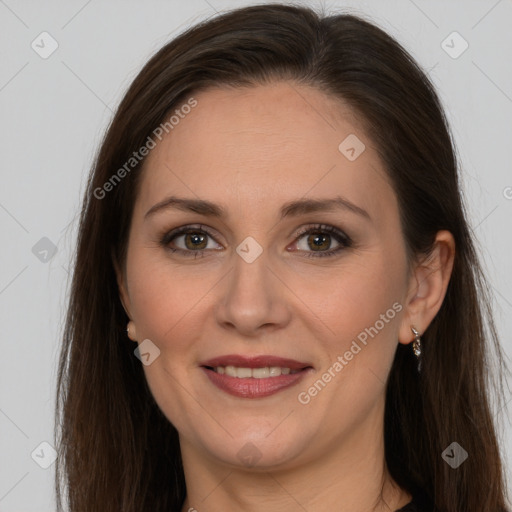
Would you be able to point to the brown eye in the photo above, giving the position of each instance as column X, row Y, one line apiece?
column 195, row 241
column 189, row 241
column 317, row 241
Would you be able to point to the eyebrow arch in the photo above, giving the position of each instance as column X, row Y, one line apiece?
column 290, row 209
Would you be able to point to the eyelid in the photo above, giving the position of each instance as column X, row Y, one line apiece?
column 325, row 228
column 183, row 230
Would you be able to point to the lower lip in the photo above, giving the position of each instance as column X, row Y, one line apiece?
column 254, row 388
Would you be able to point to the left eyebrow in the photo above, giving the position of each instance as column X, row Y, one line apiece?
column 303, row 206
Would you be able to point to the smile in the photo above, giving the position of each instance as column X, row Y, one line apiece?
column 254, row 377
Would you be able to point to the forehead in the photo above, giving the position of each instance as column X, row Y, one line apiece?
column 265, row 145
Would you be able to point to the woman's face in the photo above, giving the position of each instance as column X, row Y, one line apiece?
column 249, row 281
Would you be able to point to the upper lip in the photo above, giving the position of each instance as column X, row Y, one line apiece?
column 255, row 362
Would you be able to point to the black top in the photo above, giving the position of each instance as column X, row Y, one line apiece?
column 417, row 504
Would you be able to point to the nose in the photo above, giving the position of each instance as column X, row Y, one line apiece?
column 253, row 298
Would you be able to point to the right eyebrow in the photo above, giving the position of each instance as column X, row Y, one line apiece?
column 189, row 205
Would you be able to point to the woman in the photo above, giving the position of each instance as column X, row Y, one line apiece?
column 274, row 217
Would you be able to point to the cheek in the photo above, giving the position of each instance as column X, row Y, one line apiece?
column 165, row 300
column 167, row 303
column 359, row 305
column 361, row 313
column 353, row 296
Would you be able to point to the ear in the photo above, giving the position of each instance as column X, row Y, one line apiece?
column 427, row 287
column 121, row 283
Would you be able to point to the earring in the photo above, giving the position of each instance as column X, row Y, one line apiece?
column 416, row 346
column 130, row 330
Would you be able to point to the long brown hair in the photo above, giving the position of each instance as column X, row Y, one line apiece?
column 116, row 450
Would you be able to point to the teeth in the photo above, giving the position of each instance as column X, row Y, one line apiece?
column 256, row 373
column 260, row 373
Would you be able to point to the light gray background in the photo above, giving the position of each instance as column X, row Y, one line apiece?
column 54, row 112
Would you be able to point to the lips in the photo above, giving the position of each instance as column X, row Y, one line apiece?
column 235, row 374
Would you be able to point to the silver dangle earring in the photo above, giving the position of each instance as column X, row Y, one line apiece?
column 416, row 346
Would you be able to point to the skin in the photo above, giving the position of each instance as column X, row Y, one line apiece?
column 252, row 150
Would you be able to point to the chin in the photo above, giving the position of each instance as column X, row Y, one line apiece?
column 256, row 450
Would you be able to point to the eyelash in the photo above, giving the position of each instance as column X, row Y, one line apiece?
column 344, row 240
